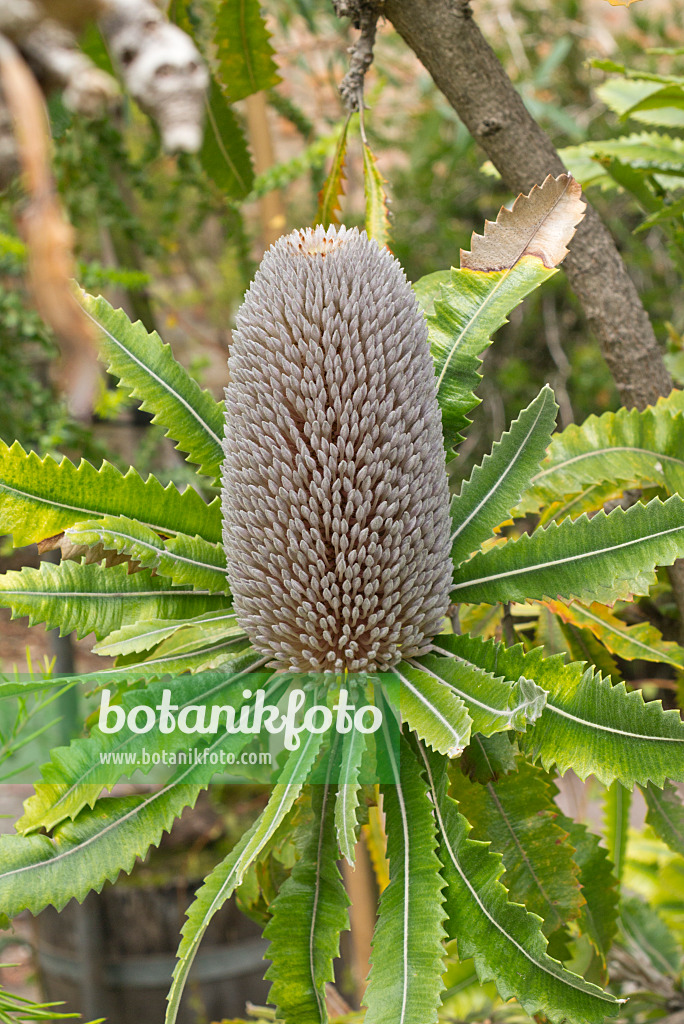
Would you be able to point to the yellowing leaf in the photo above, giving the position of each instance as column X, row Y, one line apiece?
column 641, row 641
column 539, row 224
column 377, row 221
column 376, row 841
column 333, row 189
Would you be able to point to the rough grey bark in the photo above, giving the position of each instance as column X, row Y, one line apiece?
column 448, row 42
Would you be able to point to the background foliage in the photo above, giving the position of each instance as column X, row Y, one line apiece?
column 176, row 240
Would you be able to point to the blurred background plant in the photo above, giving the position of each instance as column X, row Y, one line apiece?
column 175, row 240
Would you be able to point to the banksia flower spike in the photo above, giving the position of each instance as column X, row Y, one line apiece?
column 335, row 496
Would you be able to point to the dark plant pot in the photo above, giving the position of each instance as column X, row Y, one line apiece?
column 114, row 956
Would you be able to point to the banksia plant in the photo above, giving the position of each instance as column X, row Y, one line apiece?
column 335, row 495
column 344, row 554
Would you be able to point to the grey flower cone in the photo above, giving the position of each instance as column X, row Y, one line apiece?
column 335, row 496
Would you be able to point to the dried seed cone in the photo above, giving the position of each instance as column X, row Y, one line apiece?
column 335, row 497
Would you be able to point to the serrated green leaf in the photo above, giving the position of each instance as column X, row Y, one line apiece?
column 224, row 154
column 429, row 287
column 605, row 558
column 80, row 598
column 147, row 370
column 668, row 100
column 487, row 757
column 647, row 933
column 221, row 882
column 516, row 814
column 333, row 187
column 185, row 560
column 245, row 62
column 377, row 220
column 497, row 484
column 141, row 636
column 37, row 871
column 642, row 641
column 636, row 73
column 469, row 310
column 494, row 703
column 347, row 799
column 505, row 942
column 432, row 710
column 646, row 151
column 587, row 724
column 616, row 805
column 23, row 688
column 309, row 913
column 635, row 449
column 41, row 498
column 405, row 979
column 74, row 777
column 598, row 914
column 665, row 815
column 621, row 94
column 199, row 633
column 130, row 670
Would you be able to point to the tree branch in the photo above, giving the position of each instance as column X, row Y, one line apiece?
column 445, row 37
column 364, row 15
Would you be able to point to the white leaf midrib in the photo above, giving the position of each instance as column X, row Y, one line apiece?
column 474, row 894
column 164, row 384
column 501, row 480
column 566, row 559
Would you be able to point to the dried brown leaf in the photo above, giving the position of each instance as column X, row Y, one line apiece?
column 539, row 224
column 89, row 554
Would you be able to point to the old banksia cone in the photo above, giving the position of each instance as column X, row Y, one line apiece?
column 335, row 497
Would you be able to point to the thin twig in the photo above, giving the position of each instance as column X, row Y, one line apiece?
column 364, row 15
column 508, row 626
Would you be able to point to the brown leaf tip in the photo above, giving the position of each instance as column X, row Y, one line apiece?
column 539, row 224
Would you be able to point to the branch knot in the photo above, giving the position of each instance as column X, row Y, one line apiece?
column 364, row 15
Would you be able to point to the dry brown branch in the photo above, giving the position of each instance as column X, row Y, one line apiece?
column 364, row 15
column 49, row 238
